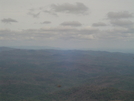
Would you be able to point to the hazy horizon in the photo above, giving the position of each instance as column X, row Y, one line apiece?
column 82, row 49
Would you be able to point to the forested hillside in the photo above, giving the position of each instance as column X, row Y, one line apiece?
column 65, row 75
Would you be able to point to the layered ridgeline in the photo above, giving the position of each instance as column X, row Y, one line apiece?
column 65, row 75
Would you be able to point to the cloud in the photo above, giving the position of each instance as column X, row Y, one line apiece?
column 60, row 29
column 122, row 23
column 119, row 15
column 120, row 19
column 50, row 33
column 72, row 23
column 6, row 34
column 98, row 24
column 32, row 9
column 8, row 20
column 55, row 9
column 46, row 22
column 119, row 30
column 64, row 33
column 35, row 15
column 50, row 12
column 68, row 33
column 89, row 31
column 78, row 8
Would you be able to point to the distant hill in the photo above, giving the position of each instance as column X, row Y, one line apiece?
column 35, row 47
column 5, row 49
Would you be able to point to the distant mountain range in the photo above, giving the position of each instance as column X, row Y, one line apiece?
column 84, row 49
column 32, row 47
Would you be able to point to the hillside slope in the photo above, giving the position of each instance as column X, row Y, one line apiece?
column 25, row 74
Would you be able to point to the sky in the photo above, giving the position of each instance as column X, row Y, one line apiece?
column 68, row 24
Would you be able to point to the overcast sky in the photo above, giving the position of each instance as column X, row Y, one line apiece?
column 68, row 24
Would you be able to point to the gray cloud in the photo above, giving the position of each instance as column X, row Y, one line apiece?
column 119, row 30
column 122, row 23
column 119, row 15
column 88, row 31
column 98, row 24
column 78, row 8
column 118, row 34
column 63, row 33
column 68, row 33
column 55, row 9
column 50, row 33
column 6, row 34
column 59, row 29
column 46, row 22
column 32, row 10
column 72, row 23
column 8, row 20
column 34, row 15
column 50, row 12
